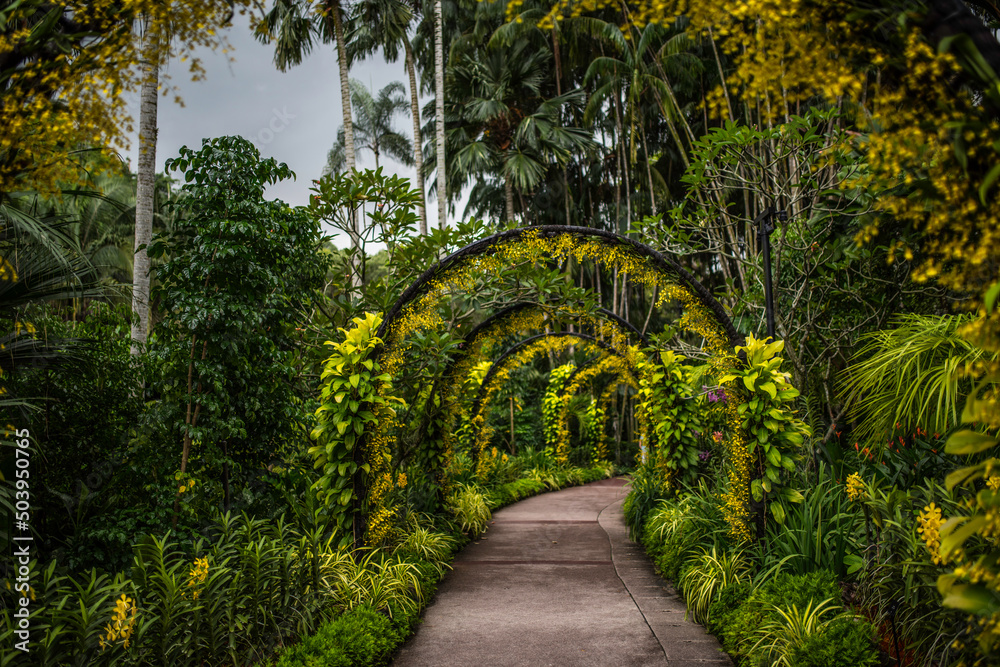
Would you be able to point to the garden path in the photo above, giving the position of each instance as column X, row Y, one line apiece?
column 556, row 581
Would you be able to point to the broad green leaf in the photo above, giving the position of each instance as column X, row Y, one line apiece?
column 969, row 442
column 778, row 512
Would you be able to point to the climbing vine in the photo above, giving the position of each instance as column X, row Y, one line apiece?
column 669, row 417
column 774, row 435
column 501, row 257
column 355, row 401
column 556, row 435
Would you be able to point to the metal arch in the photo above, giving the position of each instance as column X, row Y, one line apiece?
column 661, row 262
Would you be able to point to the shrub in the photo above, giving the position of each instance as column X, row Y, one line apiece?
column 646, row 488
column 738, row 625
column 361, row 636
column 468, row 505
column 713, row 572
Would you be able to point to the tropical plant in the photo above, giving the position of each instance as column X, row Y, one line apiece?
column 240, row 272
column 373, row 120
column 909, row 377
column 780, row 639
column 775, row 435
column 703, row 582
column 292, row 26
column 468, row 505
column 384, row 25
column 502, row 135
column 669, row 416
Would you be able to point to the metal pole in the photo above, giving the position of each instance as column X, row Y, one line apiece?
column 764, row 229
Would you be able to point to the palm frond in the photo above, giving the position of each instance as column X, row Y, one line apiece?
column 910, row 375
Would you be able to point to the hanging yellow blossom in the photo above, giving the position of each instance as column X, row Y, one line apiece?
column 930, row 521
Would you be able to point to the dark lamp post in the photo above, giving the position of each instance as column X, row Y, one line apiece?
column 765, row 226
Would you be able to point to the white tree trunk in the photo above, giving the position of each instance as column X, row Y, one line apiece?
column 345, row 86
column 418, row 151
column 145, row 186
column 345, row 103
column 442, row 183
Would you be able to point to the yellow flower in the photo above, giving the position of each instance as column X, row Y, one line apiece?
column 993, row 482
column 930, row 521
column 122, row 623
column 855, row 486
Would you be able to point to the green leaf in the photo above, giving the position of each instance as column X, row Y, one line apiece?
column 988, row 181
column 969, row 442
column 355, row 379
column 778, row 512
column 769, row 389
column 773, row 456
column 962, row 476
column 955, row 538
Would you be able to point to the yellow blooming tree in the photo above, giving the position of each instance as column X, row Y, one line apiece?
column 65, row 68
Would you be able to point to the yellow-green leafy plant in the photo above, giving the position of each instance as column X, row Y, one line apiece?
column 552, row 406
column 377, row 581
column 469, row 507
column 778, row 639
column 702, row 583
column 669, row 415
column 593, row 431
column 774, row 435
column 354, row 400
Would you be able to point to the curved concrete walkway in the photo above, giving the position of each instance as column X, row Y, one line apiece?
column 556, row 581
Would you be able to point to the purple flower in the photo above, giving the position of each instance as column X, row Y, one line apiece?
column 717, row 396
column 705, row 455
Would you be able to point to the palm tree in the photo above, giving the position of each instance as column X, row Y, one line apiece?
column 293, row 25
column 385, row 24
column 503, row 128
column 373, row 126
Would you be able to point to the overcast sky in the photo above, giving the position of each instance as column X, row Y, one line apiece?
column 292, row 116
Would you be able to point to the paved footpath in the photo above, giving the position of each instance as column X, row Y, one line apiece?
column 556, row 581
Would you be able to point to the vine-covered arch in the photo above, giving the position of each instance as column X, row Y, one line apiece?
column 499, row 256
column 517, row 355
column 578, row 242
column 600, row 324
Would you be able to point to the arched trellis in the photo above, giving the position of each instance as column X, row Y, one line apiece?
column 476, row 414
column 659, row 263
column 609, row 365
column 701, row 313
column 486, row 329
column 610, row 381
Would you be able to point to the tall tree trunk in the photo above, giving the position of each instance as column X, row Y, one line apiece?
column 144, row 192
column 418, row 151
column 442, row 183
column 508, row 188
column 345, row 85
column 345, row 103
